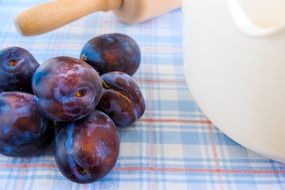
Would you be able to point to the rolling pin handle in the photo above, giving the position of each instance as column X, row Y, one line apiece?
column 52, row 15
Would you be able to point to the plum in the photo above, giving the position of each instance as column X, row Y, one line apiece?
column 87, row 149
column 23, row 131
column 112, row 52
column 122, row 99
column 17, row 66
column 66, row 88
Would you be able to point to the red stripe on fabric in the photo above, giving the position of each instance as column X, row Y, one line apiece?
column 161, row 81
column 154, row 169
column 76, row 46
column 28, row 165
column 162, row 50
column 215, row 154
column 169, row 120
column 200, row 170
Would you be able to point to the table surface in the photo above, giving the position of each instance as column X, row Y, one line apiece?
column 173, row 146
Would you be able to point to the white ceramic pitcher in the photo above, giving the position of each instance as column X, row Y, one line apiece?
column 234, row 54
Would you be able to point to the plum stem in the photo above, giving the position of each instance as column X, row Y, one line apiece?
column 12, row 63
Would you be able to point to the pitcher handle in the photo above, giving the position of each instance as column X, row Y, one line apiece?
column 245, row 24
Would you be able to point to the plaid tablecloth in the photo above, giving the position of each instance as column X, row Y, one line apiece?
column 172, row 147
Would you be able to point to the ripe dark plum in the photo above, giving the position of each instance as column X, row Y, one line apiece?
column 87, row 149
column 112, row 52
column 17, row 66
column 23, row 131
column 122, row 99
column 66, row 88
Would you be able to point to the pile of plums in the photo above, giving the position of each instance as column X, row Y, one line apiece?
column 78, row 103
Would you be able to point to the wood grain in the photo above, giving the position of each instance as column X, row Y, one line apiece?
column 49, row 16
column 52, row 15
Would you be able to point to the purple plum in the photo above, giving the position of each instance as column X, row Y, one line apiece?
column 17, row 66
column 66, row 88
column 112, row 52
column 122, row 99
column 86, row 150
column 23, row 131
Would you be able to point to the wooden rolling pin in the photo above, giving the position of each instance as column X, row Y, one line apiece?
column 49, row 16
